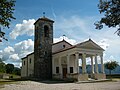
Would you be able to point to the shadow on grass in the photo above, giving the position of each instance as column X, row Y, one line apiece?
column 51, row 81
column 54, row 81
column 10, row 81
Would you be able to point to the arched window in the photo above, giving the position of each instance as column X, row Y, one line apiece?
column 46, row 31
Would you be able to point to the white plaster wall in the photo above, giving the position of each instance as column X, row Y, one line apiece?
column 72, row 63
column 24, row 68
column 31, row 65
column 64, row 60
column 56, row 64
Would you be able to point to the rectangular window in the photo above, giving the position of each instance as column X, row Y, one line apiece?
column 57, row 69
column 24, row 62
column 71, row 69
column 30, row 61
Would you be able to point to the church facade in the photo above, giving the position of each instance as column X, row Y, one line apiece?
column 60, row 60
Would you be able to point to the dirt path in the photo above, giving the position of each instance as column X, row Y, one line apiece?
column 31, row 85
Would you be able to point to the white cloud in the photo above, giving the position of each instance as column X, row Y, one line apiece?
column 114, row 46
column 6, row 52
column 18, row 51
column 9, row 49
column 24, row 47
column 25, row 28
column 0, row 51
column 14, row 57
column 103, row 43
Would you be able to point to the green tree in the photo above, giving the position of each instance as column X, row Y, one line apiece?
column 17, row 71
column 111, row 65
column 2, row 66
column 6, row 14
column 9, row 68
column 111, row 11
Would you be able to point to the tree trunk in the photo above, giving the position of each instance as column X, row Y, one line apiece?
column 110, row 73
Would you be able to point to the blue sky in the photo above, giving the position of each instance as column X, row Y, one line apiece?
column 74, row 18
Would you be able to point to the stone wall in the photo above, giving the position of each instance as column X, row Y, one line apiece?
column 99, row 76
column 43, row 49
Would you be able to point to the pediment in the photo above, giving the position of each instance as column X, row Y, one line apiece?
column 89, row 45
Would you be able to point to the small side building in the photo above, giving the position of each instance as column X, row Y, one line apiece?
column 28, row 66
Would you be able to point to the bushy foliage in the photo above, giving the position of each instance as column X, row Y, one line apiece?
column 6, row 12
column 2, row 66
column 111, row 11
column 9, row 68
column 6, row 15
column 111, row 65
column 17, row 71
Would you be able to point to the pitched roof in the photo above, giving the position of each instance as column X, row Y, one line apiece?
column 90, row 40
column 61, row 42
column 80, row 44
column 44, row 19
column 27, row 55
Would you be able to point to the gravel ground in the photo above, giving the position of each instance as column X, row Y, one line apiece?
column 31, row 85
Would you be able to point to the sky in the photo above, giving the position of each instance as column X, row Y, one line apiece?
column 73, row 18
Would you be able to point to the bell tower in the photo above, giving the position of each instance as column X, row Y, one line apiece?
column 43, row 41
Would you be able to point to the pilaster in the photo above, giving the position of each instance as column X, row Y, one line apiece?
column 60, row 67
column 68, row 67
column 53, row 67
column 77, row 60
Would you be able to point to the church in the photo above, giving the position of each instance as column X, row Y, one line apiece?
column 60, row 60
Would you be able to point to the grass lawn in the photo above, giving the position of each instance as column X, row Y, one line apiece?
column 8, row 81
column 4, row 81
column 12, row 80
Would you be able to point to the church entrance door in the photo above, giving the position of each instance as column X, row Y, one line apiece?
column 64, row 72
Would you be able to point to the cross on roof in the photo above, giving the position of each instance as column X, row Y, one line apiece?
column 43, row 14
